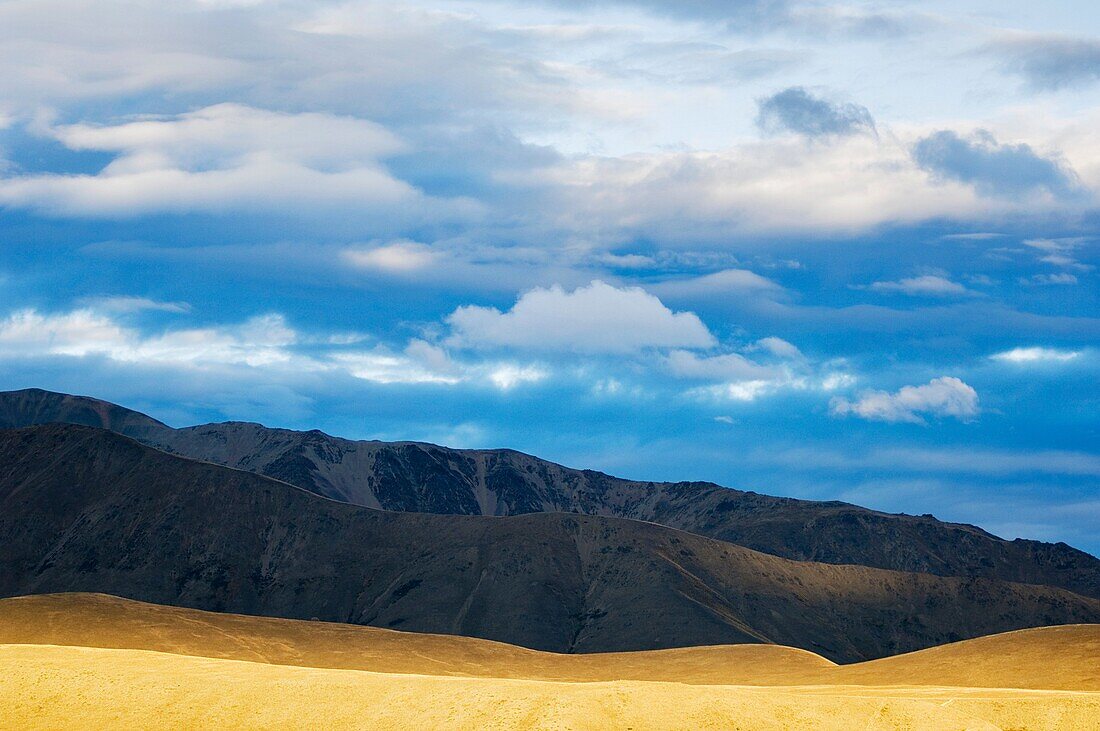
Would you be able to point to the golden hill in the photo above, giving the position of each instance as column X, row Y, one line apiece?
column 89, row 660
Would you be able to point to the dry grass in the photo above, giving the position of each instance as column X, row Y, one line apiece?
column 90, row 661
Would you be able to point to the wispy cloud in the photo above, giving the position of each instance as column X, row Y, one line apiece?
column 1049, row 61
column 1036, row 355
column 1044, row 280
column 927, row 285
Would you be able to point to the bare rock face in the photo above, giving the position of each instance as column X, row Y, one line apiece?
column 424, row 478
column 84, row 509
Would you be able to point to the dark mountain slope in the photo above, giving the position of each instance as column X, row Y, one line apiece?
column 84, row 509
column 416, row 477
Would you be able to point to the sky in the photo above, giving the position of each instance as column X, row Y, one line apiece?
column 822, row 250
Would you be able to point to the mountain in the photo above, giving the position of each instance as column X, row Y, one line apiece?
column 417, row 477
column 85, row 509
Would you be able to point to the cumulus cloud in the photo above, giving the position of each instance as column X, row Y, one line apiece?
column 1035, row 355
column 1048, row 61
column 797, row 110
column 598, row 318
column 928, row 285
column 221, row 158
column 993, row 168
column 940, row 397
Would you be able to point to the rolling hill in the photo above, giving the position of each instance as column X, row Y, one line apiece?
column 104, row 662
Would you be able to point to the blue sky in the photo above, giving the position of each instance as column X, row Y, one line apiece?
column 832, row 251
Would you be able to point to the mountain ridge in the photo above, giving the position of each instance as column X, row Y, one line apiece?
column 423, row 477
column 85, row 509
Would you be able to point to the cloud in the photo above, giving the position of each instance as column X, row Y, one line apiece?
column 597, row 318
column 928, row 285
column 508, row 376
column 1035, row 354
column 743, row 390
column 127, row 304
column 1049, row 61
column 940, row 397
column 1045, row 280
column 679, row 62
column 727, row 281
column 421, row 362
column 1059, row 252
column 399, row 257
column 992, row 168
column 260, row 341
column 796, row 110
column 727, row 367
column 777, row 347
column 220, row 158
column 850, row 183
column 264, row 345
column 743, row 13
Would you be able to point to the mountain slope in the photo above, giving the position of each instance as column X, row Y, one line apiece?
column 416, row 477
column 84, row 509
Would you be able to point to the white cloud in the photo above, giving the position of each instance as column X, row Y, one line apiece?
column 508, row 375
column 940, row 397
column 384, row 366
column 928, row 285
column 262, row 342
column 740, row 390
column 126, row 303
column 726, row 281
column 259, row 341
column 777, row 347
column 779, row 185
column 728, row 367
column 836, row 381
column 399, row 256
column 1035, row 354
column 1059, row 252
column 1044, row 280
column 597, row 318
column 221, row 158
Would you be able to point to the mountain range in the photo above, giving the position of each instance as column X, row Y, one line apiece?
column 425, row 478
column 84, row 508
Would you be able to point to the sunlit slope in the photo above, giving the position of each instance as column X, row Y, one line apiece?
column 1052, row 658
column 98, row 620
column 74, row 687
column 1065, row 657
